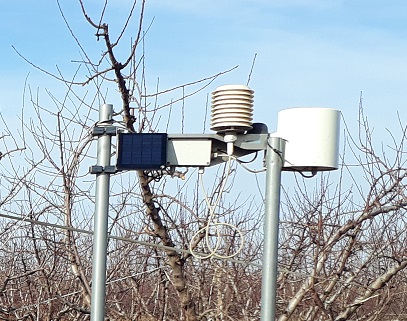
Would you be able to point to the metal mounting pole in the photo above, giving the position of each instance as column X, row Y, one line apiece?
column 101, row 219
column 274, row 164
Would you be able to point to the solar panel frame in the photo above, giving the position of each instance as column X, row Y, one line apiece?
column 146, row 151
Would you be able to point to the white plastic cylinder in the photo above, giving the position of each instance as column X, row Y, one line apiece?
column 312, row 138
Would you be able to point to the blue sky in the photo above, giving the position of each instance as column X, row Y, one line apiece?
column 309, row 53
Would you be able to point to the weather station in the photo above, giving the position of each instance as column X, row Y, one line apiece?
column 306, row 141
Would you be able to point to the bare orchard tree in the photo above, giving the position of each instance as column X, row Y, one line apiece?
column 343, row 249
column 342, row 253
column 47, row 206
column 46, row 238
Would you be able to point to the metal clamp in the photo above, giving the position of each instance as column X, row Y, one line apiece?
column 97, row 169
column 104, row 130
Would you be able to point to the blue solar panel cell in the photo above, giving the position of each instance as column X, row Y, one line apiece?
column 141, row 151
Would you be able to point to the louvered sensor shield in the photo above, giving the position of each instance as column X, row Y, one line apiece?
column 232, row 109
column 232, row 112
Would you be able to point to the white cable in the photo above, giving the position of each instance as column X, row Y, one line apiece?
column 19, row 223
column 118, row 238
column 254, row 171
column 212, row 223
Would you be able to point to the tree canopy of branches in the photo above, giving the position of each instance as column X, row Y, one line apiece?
column 342, row 244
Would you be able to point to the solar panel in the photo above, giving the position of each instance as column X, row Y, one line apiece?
column 141, row 151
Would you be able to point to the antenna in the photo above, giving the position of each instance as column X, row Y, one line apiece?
column 232, row 112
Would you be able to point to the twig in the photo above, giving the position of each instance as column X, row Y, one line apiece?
column 191, row 83
column 43, row 70
column 251, row 69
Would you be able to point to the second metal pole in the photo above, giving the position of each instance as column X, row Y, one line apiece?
column 274, row 164
column 98, row 297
